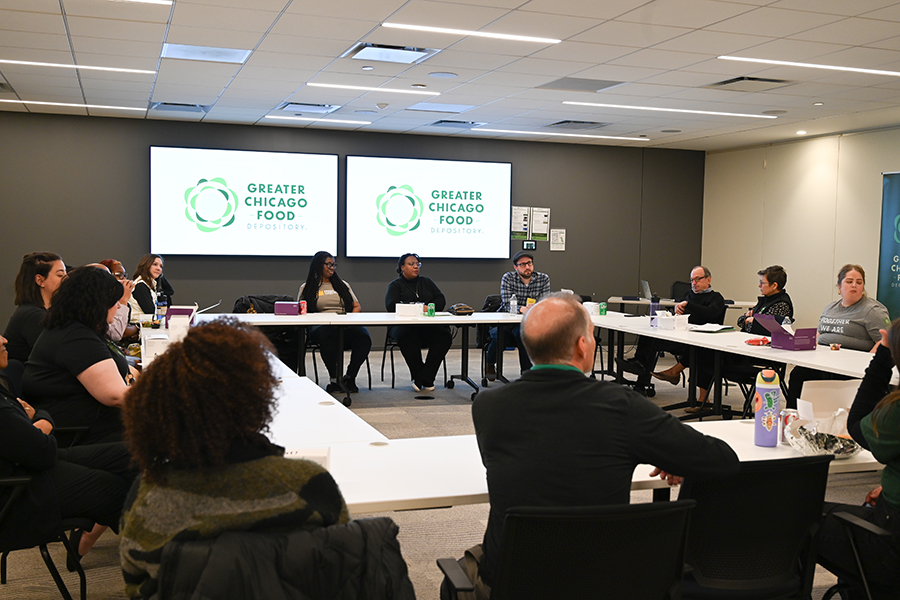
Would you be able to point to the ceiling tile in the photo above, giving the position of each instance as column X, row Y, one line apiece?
column 185, row 94
column 372, row 10
column 553, row 69
column 125, row 11
column 607, row 9
column 32, row 21
column 215, row 38
column 445, row 14
column 91, row 45
column 851, row 31
column 541, row 25
column 323, row 27
column 834, row 7
column 582, row 52
column 712, row 42
column 193, row 72
column 634, row 35
column 295, row 44
column 37, row 41
column 684, row 13
column 219, row 17
column 659, row 59
column 267, row 5
column 116, row 30
column 773, row 22
column 468, row 60
column 42, row 6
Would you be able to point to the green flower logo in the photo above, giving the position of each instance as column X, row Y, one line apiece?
column 399, row 210
column 210, row 204
column 897, row 228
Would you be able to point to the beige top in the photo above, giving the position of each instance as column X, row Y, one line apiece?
column 328, row 300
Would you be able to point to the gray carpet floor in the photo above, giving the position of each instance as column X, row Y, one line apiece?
column 425, row 535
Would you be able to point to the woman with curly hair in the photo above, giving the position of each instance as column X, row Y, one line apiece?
column 194, row 425
column 39, row 277
column 74, row 373
column 874, row 422
column 325, row 291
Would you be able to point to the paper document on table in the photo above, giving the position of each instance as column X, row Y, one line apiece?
column 711, row 328
column 321, row 456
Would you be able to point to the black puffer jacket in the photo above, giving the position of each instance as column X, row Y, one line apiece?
column 360, row 561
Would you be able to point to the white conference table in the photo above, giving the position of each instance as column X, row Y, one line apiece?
column 851, row 363
column 668, row 302
column 437, row 472
column 384, row 319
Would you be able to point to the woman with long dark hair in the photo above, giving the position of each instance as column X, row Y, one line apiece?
column 74, row 372
column 325, row 291
column 149, row 286
column 874, row 422
column 38, row 279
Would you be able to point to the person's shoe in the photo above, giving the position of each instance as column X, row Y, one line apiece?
column 632, row 365
column 333, row 387
column 673, row 379
column 428, row 388
column 490, row 371
column 701, row 403
column 350, row 384
column 416, row 386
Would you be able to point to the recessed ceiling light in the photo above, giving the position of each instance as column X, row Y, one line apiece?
column 675, row 110
column 554, row 134
column 785, row 63
column 818, row 104
column 371, row 89
column 419, row 85
column 319, row 120
column 801, row 132
column 496, row 36
column 404, row 55
column 205, row 53
column 443, row 75
column 81, row 67
column 368, row 68
column 73, row 105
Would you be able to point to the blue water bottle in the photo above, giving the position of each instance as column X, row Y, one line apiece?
column 767, row 407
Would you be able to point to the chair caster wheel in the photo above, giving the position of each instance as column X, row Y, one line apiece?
column 450, row 383
column 484, row 382
column 347, row 401
column 473, row 396
column 650, row 392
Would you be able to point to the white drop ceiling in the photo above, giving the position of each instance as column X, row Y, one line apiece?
column 663, row 51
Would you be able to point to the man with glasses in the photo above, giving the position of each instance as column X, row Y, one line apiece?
column 703, row 305
column 528, row 286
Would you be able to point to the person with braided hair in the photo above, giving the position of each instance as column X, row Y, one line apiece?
column 194, row 423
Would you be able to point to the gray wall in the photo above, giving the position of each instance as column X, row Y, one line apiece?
column 79, row 186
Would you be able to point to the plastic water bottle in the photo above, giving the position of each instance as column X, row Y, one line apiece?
column 514, row 305
column 162, row 307
column 768, row 408
column 654, row 305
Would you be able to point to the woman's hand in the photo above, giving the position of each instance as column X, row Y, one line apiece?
column 29, row 410
column 884, row 337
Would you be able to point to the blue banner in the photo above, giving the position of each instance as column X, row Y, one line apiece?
column 889, row 254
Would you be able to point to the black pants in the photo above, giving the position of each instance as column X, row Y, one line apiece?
column 880, row 557
column 800, row 375
column 412, row 338
column 356, row 339
column 510, row 332
column 92, row 482
column 648, row 350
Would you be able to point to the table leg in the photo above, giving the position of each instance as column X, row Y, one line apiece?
column 340, row 366
column 464, row 361
column 501, row 346
column 301, row 351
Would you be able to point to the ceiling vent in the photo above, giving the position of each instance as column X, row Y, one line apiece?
column 178, row 107
column 577, row 84
column 457, row 124
column 406, row 55
column 749, row 84
column 576, row 125
column 299, row 108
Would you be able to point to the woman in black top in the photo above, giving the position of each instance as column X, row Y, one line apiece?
column 773, row 301
column 39, row 277
column 410, row 288
column 74, row 372
column 325, row 291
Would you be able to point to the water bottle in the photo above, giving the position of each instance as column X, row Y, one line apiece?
column 654, row 305
column 514, row 305
column 768, row 408
column 161, row 307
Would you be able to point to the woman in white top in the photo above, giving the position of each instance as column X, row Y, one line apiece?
column 149, row 285
column 325, row 291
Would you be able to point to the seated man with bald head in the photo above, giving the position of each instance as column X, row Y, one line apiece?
column 556, row 437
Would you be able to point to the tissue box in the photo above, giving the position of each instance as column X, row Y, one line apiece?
column 287, row 308
column 802, row 339
column 409, row 310
column 673, row 322
column 593, row 308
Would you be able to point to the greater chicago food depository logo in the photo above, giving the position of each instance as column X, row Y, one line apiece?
column 399, row 210
column 211, row 204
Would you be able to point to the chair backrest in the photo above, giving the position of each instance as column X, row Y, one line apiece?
column 680, row 290
column 620, row 551
column 261, row 303
column 491, row 303
column 756, row 529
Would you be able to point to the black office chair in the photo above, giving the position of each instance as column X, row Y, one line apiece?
column 753, row 535
column 492, row 303
column 312, row 347
column 620, row 551
column 389, row 345
column 855, row 528
column 18, row 485
column 285, row 338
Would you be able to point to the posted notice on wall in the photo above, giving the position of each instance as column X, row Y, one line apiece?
column 557, row 240
column 540, row 224
column 520, row 217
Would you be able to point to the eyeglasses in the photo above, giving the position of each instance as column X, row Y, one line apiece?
column 527, row 263
column 697, row 279
column 121, row 275
column 331, row 265
column 417, row 264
